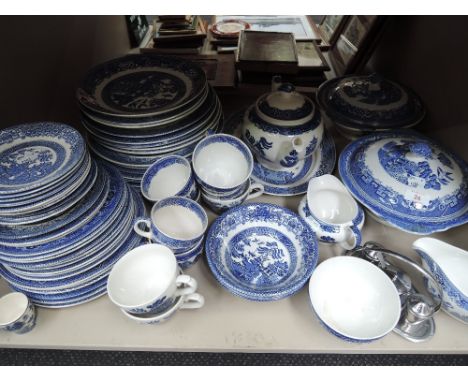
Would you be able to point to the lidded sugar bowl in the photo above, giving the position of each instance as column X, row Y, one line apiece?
column 283, row 127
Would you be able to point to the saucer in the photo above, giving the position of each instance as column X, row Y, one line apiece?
column 293, row 181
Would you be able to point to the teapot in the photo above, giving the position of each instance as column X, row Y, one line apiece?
column 283, row 127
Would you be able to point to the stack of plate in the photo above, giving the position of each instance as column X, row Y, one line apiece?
column 64, row 218
column 139, row 108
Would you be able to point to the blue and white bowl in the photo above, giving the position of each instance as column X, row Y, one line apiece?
column 177, row 222
column 261, row 251
column 169, row 176
column 353, row 299
column 17, row 313
column 222, row 163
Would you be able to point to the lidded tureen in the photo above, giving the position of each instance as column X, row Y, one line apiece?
column 283, row 127
column 366, row 103
column 407, row 180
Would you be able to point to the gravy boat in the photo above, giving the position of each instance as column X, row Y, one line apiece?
column 449, row 266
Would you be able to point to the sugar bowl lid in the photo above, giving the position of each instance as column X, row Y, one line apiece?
column 407, row 180
column 284, row 105
column 372, row 101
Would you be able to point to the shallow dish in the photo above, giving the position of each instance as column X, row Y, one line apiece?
column 353, row 299
column 261, row 251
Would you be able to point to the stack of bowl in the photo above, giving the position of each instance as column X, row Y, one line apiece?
column 65, row 219
column 139, row 108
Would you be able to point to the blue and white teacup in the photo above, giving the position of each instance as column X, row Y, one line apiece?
column 222, row 164
column 169, row 176
column 192, row 301
column 148, row 280
column 176, row 222
column 188, row 258
column 17, row 313
column 220, row 204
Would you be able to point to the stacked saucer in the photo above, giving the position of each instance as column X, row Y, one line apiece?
column 139, row 108
column 65, row 219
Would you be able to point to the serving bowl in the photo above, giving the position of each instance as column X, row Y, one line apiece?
column 353, row 299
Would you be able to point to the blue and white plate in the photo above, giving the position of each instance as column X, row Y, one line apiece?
column 369, row 103
column 114, row 203
column 156, row 132
column 49, row 212
column 261, row 251
column 141, row 85
column 407, row 181
column 294, row 181
column 162, row 123
column 36, row 154
column 64, row 223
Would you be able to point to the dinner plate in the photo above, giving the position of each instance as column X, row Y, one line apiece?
column 49, row 212
column 140, row 85
column 68, row 221
column 261, row 251
column 36, row 154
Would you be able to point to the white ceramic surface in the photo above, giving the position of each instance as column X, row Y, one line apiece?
column 354, row 298
column 220, row 164
column 147, row 276
column 12, row 307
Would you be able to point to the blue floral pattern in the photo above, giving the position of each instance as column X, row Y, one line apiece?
column 261, row 145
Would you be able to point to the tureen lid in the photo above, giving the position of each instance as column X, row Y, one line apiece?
column 371, row 100
column 285, row 105
column 407, row 180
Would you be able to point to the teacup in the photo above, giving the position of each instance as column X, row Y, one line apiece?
column 188, row 258
column 169, row 176
column 147, row 280
column 221, row 203
column 176, row 222
column 222, row 163
column 331, row 212
column 192, row 301
column 17, row 313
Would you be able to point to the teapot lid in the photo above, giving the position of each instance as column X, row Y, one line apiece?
column 371, row 100
column 407, row 180
column 285, row 104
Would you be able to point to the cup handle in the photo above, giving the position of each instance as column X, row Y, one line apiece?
column 144, row 233
column 193, row 301
column 185, row 285
column 353, row 238
column 255, row 190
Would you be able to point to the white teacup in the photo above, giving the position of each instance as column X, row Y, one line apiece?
column 176, row 222
column 222, row 163
column 332, row 212
column 169, row 176
column 148, row 280
column 192, row 301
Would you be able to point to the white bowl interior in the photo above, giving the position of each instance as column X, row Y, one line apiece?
column 178, row 222
column 221, row 165
column 331, row 206
column 354, row 298
column 142, row 275
column 12, row 307
column 168, row 181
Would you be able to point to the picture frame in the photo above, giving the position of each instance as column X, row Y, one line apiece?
column 355, row 43
column 330, row 28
